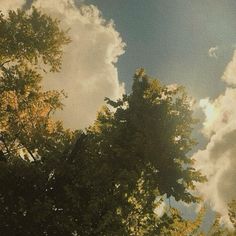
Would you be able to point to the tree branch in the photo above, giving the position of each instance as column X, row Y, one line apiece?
column 2, row 65
column 5, row 144
column 78, row 146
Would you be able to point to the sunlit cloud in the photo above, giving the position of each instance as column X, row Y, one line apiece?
column 160, row 210
column 229, row 75
column 218, row 160
column 210, row 112
column 161, row 207
column 89, row 72
column 7, row 5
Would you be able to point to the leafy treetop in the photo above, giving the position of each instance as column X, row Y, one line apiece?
column 29, row 41
column 30, row 37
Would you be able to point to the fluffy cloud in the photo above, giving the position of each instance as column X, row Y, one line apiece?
column 160, row 210
column 89, row 73
column 230, row 72
column 213, row 51
column 218, row 160
column 11, row 4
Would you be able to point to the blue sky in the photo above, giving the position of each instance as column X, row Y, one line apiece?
column 171, row 39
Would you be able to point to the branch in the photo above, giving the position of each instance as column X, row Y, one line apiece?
column 6, row 71
column 78, row 146
column 2, row 65
column 31, row 154
column 5, row 144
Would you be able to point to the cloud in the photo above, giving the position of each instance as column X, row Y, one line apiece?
column 161, row 206
column 213, row 52
column 229, row 75
column 7, row 5
column 218, row 160
column 160, row 210
column 88, row 73
column 211, row 113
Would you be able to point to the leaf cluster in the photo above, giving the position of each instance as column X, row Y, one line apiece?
column 29, row 38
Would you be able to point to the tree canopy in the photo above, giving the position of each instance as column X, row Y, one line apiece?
column 139, row 147
column 28, row 42
column 106, row 180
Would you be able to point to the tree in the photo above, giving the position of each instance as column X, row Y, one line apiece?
column 179, row 226
column 150, row 133
column 232, row 212
column 29, row 43
column 219, row 229
column 138, row 150
column 31, row 142
column 109, row 181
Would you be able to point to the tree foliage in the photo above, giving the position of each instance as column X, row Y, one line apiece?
column 220, row 229
column 179, row 226
column 31, row 142
column 108, row 183
column 150, row 133
column 139, row 149
column 232, row 213
column 27, row 42
column 30, row 37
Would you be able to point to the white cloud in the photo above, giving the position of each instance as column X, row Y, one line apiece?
column 6, row 5
column 213, row 52
column 229, row 75
column 218, row 160
column 161, row 207
column 89, row 73
column 211, row 113
column 172, row 87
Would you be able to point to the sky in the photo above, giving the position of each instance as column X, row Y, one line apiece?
column 171, row 40
column 186, row 42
